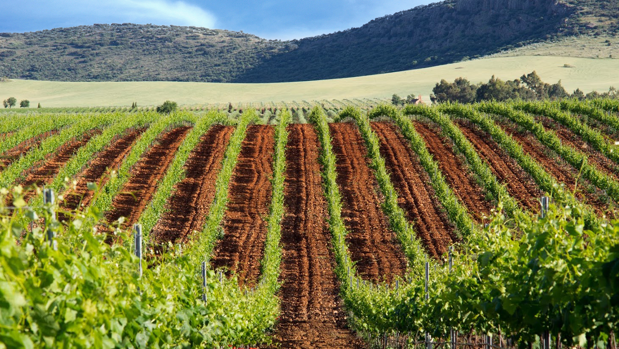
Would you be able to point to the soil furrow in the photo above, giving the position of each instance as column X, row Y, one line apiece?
column 249, row 197
column 568, row 137
column 109, row 158
column 456, row 172
column 415, row 193
column 519, row 184
column 50, row 168
column 142, row 184
column 188, row 207
column 559, row 169
column 312, row 315
column 21, row 149
column 372, row 245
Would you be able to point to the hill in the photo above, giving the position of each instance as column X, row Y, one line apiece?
column 584, row 73
column 436, row 34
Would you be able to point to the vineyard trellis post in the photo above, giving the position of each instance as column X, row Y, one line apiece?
column 428, row 337
column 137, row 228
column 204, row 282
column 452, row 334
column 49, row 199
column 545, row 205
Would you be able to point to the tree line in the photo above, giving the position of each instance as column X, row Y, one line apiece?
column 529, row 87
column 12, row 101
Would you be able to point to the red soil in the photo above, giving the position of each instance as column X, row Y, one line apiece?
column 455, row 171
column 189, row 205
column 372, row 245
column 595, row 158
column 242, row 247
column 558, row 168
column 109, row 158
column 46, row 173
column 415, row 193
column 24, row 147
column 142, row 184
column 519, row 184
column 312, row 315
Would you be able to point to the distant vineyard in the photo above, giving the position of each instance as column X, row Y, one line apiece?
column 233, row 109
column 319, row 224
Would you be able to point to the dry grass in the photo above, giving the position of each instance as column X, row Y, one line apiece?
column 584, row 73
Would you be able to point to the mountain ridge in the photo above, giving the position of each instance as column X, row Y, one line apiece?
column 428, row 35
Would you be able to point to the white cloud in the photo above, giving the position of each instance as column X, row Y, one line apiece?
column 162, row 11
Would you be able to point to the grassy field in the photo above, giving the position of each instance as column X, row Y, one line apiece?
column 584, row 73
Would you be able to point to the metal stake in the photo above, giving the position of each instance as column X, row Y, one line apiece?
column 204, row 282
column 545, row 205
column 49, row 199
column 137, row 228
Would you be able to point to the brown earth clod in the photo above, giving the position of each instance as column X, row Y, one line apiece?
column 142, row 184
column 312, row 314
column 188, row 207
column 371, row 243
column 249, row 197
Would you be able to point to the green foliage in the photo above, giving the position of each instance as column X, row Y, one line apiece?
column 573, row 156
column 461, row 91
column 11, row 101
column 397, row 100
column 167, row 107
column 528, row 87
column 24, row 104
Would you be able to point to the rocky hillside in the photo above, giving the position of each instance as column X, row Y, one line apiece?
column 444, row 32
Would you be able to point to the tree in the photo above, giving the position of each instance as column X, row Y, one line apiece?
column 396, row 100
column 5, row 103
column 167, row 107
column 24, row 104
column 461, row 90
column 11, row 101
column 39, row 106
column 578, row 94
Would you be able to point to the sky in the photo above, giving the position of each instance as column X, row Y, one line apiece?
column 270, row 19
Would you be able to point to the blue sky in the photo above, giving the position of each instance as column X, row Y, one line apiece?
column 271, row 19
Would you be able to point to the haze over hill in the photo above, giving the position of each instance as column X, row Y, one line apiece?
column 440, row 33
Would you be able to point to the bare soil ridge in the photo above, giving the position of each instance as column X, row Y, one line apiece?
column 139, row 189
column 110, row 158
column 415, row 193
column 312, row 315
column 189, row 206
column 519, row 184
column 456, row 172
column 50, row 167
column 371, row 243
column 249, row 197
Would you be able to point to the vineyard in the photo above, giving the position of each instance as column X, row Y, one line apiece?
column 347, row 224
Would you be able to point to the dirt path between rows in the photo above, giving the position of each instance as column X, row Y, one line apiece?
column 372, row 244
column 9, row 156
column 558, row 168
column 312, row 314
column 46, row 173
column 519, row 184
column 249, row 197
column 415, row 193
column 189, row 206
column 568, row 137
column 146, row 174
column 110, row 157
column 457, row 174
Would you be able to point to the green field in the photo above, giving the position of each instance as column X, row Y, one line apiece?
column 584, row 73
